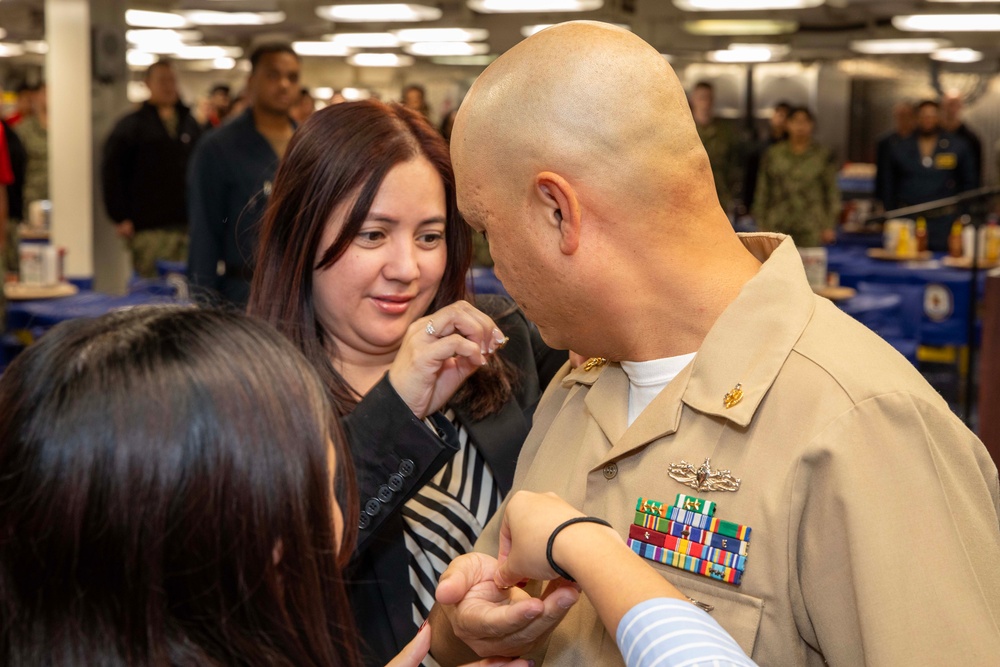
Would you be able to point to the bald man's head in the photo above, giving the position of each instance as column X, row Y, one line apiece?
column 589, row 99
column 571, row 146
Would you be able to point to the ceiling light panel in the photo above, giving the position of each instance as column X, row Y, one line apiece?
column 959, row 55
column 380, row 60
column 155, row 34
column 138, row 18
column 529, row 30
column 389, row 13
column 211, row 17
column 722, row 27
column 898, row 46
column 475, row 61
column 36, row 46
column 320, row 49
column 137, row 58
column 743, row 5
column 365, row 40
column 447, row 48
column 206, row 52
column 525, row 6
column 351, row 93
column 9, row 50
column 948, row 22
column 411, row 35
column 749, row 53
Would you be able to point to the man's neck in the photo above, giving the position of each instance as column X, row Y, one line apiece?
column 799, row 145
column 703, row 118
column 672, row 306
column 270, row 122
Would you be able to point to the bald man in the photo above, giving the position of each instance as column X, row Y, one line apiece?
column 714, row 372
column 951, row 121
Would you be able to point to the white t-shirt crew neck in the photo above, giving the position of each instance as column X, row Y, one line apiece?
column 646, row 379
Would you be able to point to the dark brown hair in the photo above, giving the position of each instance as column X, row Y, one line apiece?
column 166, row 498
column 342, row 154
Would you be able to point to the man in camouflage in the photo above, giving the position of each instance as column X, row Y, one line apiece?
column 722, row 142
column 797, row 191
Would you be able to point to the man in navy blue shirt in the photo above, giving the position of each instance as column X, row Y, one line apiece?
column 931, row 164
column 231, row 174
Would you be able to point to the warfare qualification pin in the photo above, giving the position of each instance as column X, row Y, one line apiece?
column 703, row 478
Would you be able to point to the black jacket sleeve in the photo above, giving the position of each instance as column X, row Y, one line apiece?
column 116, row 169
column 207, row 224
column 394, row 455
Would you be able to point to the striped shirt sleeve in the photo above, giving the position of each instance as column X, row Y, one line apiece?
column 666, row 632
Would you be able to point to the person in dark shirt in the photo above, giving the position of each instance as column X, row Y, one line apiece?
column 231, row 174
column 142, row 172
column 951, row 120
column 932, row 164
column 218, row 106
column 777, row 131
column 13, row 163
column 904, row 119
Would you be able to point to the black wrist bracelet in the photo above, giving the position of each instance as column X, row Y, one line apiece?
column 552, row 540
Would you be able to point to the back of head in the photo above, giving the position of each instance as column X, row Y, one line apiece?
column 594, row 103
column 166, row 497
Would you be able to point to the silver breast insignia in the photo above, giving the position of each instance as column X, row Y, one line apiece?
column 703, row 478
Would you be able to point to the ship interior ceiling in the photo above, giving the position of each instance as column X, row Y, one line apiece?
column 820, row 55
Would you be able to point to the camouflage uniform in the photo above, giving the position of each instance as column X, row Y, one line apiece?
column 36, row 143
column 724, row 147
column 149, row 245
column 35, row 140
column 797, row 194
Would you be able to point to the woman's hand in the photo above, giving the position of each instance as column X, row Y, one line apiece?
column 414, row 653
column 528, row 522
column 439, row 353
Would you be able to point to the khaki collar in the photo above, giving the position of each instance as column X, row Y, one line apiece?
column 747, row 345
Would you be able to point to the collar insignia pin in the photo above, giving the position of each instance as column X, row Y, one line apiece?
column 703, row 478
column 594, row 362
column 733, row 396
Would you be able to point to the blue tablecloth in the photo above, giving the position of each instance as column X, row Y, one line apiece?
column 45, row 313
column 936, row 299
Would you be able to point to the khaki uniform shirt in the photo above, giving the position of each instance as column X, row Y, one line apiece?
column 874, row 511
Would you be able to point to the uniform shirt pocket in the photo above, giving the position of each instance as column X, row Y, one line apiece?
column 738, row 613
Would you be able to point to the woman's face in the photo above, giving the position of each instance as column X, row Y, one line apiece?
column 799, row 126
column 393, row 267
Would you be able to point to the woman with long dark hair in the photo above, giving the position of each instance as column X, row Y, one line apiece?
column 362, row 263
column 167, row 499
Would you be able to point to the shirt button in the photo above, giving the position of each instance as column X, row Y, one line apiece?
column 384, row 493
column 406, row 467
column 364, row 521
column 373, row 507
column 610, row 471
column 395, row 481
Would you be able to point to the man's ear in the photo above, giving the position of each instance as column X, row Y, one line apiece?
column 563, row 208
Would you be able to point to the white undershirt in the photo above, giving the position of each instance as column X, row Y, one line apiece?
column 646, row 379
